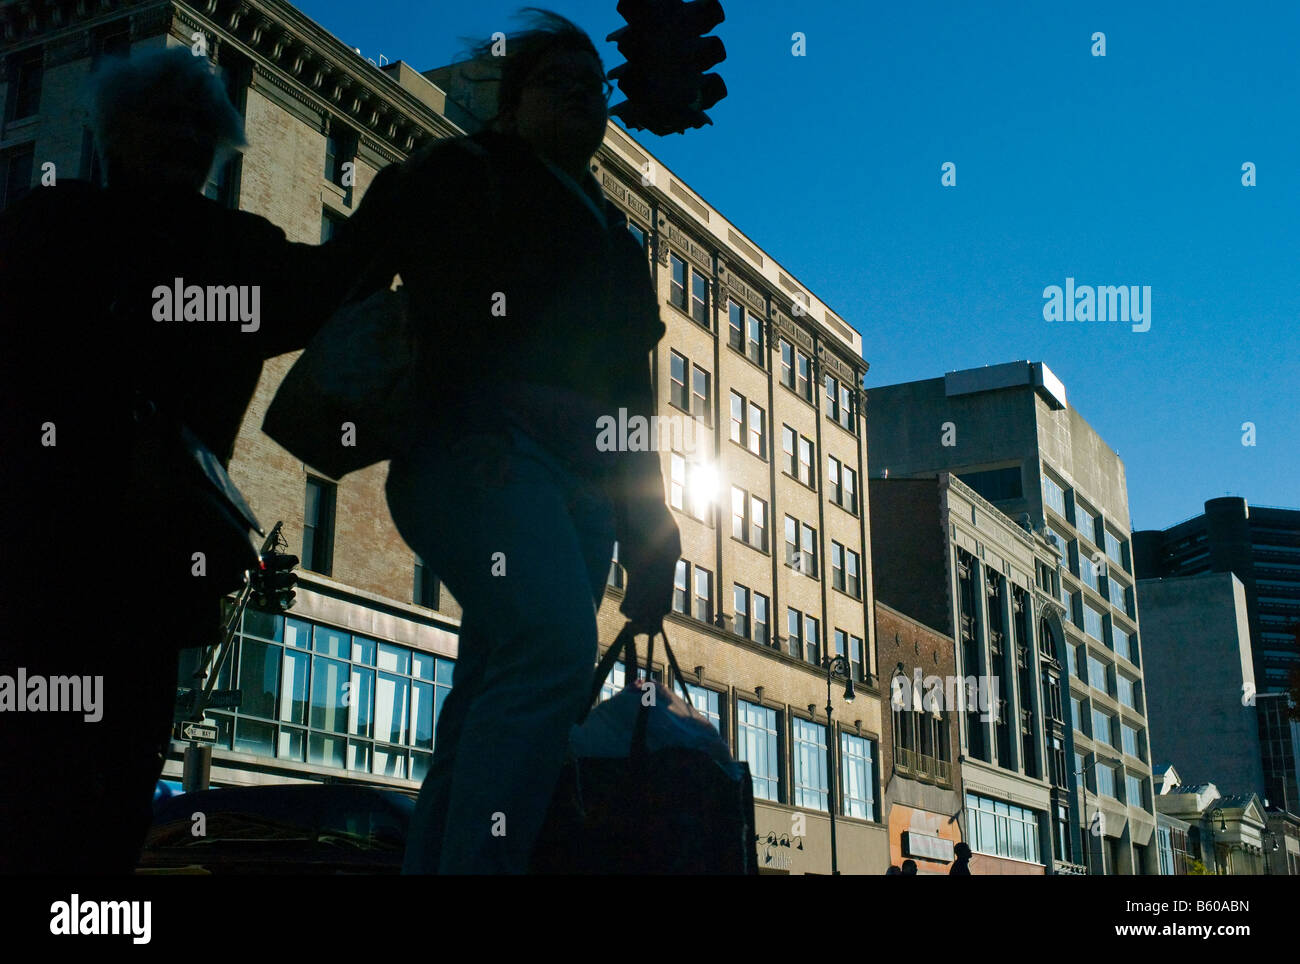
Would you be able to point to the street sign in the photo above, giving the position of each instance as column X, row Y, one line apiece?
column 225, row 699
column 198, row 732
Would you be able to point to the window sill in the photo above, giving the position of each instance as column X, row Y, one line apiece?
column 746, row 448
column 795, row 392
column 736, row 351
column 689, row 317
column 750, row 545
column 852, row 433
column 811, row 575
column 795, row 478
column 846, row 593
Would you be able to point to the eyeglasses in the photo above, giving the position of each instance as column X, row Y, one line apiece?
column 556, row 79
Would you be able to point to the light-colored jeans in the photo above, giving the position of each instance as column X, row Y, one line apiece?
column 524, row 545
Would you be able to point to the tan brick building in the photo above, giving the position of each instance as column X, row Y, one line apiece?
column 771, row 502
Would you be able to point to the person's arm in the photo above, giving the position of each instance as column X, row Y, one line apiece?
column 649, row 543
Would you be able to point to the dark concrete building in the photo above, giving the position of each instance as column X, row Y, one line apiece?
column 1260, row 545
column 1200, row 681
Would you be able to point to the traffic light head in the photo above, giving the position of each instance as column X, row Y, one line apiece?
column 663, row 79
column 273, row 582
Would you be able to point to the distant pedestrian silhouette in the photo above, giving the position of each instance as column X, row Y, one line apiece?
column 961, row 866
column 909, row 868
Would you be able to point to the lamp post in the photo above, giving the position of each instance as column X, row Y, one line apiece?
column 1085, row 834
column 834, row 664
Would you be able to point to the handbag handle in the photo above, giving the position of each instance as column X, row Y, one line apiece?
column 626, row 641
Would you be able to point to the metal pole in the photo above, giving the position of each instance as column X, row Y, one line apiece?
column 830, row 763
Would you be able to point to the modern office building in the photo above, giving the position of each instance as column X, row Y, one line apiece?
column 919, row 774
column 952, row 561
column 1008, row 433
column 1201, row 680
column 347, row 686
column 1260, row 545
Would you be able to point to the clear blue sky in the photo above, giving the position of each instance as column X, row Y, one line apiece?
column 1117, row 170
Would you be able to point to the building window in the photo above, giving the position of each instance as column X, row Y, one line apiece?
column 677, row 286
column 1129, row 738
column 808, row 550
column 615, row 577
column 701, row 399
column 740, row 621
column 1088, row 571
column 757, row 431
column 318, row 526
column 26, row 72
column 681, row 581
column 852, row 578
column 1105, row 780
column 677, row 393
column 329, row 221
column 1127, row 690
column 1061, row 542
column 1122, row 642
column 757, row 745
column 803, row 376
column 735, row 326
column 706, row 702
column 843, row 483
column 806, row 463
column 427, row 586
column 754, row 340
column 832, row 398
column 1085, row 522
column 1001, row 829
column 748, row 425
column 1101, row 723
column 637, row 232
column 340, row 150
column 1118, row 593
column 761, row 632
column 812, row 640
column 1097, row 674
column 837, row 565
column 315, row 694
column 787, row 364
column 857, row 658
column 703, row 595
column 1092, row 622
column 748, row 519
column 1054, row 495
column 846, row 418
column 16, row 168
column 789, row 442
column 811, row 787
column 1115, row 548
column 858, row 776
column 700, row 299
column 677, row 481
column 794, row 628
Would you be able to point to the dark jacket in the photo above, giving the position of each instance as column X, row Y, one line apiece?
column 79, row 270
column 530, row 310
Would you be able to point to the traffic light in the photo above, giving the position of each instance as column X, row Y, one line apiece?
column 273, row 582
column 663, row 79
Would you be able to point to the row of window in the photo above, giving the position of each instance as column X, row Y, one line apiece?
column 688, row 291
column 1002, row 829
column 1089, row 524
column 1093, row 622
column 1105, row 782
column 1099, row 675
column 315, row 694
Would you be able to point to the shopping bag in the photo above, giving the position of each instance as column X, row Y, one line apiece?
column 649, row 787
column 347, row 401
